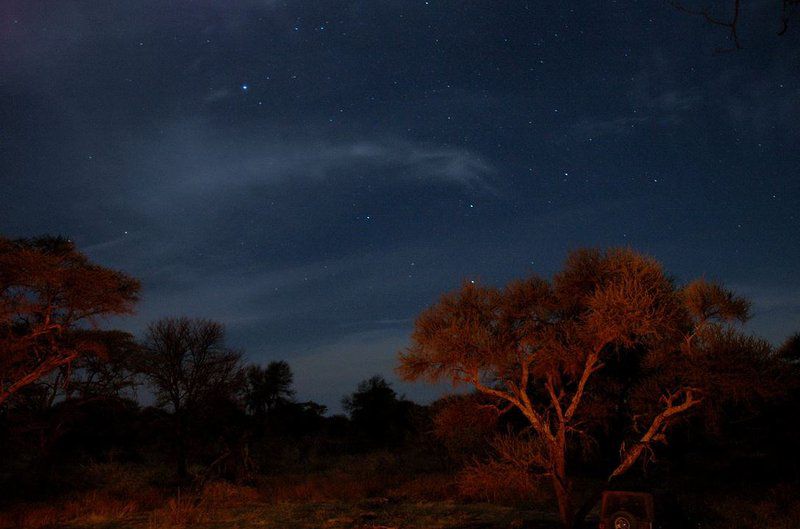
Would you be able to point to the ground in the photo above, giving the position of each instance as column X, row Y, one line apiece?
column 370, row 514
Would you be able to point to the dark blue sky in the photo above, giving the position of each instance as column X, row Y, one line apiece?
column 314, row 173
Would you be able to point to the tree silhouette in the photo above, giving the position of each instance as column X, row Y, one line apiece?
column 377, row 412
column 610, row 340
column 789, row 350
column 188, row 366
column 268, row 387
column 51, row 302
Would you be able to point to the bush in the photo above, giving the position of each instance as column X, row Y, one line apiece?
column 498, row 482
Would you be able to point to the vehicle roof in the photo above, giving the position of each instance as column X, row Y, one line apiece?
column 627, row 493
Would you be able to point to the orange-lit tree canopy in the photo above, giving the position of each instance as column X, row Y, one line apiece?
column 51, row 301
column 553, row 350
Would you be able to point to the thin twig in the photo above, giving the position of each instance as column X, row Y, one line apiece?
column 732, row 24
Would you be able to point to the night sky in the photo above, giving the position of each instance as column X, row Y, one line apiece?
column 314, row 173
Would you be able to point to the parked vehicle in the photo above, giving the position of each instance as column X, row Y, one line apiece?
column 627, row 510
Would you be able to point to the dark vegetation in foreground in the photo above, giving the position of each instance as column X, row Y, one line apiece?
column 229, row 445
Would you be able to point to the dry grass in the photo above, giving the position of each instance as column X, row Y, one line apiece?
column 373, row 514
column 330, row 486
column 93, row 508
column 425, row 487
column 211, row 503
column 500, row 483
column 339, row 486
column 778, row 508
column 222, row 505
column 118, row 492
column 372, row 494
column 369, row 495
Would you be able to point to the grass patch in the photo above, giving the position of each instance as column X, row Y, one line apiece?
column 371, row 514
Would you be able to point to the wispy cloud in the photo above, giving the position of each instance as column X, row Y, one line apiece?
column 188, row 161
column 648, row 103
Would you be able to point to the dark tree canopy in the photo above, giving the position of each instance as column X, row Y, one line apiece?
column 267, row 388
column 190, row 369
column 52, row 299
column 187, row 362
column 790, row 349
column 370, row 400
column 377, row 411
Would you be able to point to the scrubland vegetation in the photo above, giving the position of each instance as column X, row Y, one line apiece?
column 610, row 375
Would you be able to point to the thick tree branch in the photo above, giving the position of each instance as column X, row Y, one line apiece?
column 657, row 428
column 589, row 367
column 34, row 375
column 524, row 405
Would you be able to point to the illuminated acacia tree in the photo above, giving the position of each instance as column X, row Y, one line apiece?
column 551, row 349
column 51, row 301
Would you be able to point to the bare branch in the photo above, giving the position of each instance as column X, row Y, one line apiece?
column 731, row 24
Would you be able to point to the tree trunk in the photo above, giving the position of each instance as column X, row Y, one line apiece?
column 182, row 470
column 180, row 447
column 562, row 486
column 564, row 499
column 591, row 501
